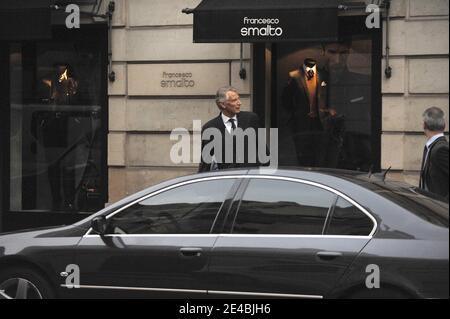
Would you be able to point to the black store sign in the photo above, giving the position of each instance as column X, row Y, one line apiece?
column 305, row 24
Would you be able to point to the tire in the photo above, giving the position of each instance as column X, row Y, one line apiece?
column 24, row 283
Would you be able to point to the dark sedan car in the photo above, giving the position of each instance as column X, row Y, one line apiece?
column 248, row 233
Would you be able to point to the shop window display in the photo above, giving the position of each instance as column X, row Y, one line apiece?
column 55, row 144
column 324, row 104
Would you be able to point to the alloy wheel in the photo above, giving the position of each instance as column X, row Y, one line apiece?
column 19, row 288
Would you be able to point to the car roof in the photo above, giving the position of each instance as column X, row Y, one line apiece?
column 398, row 199
column 375, row 195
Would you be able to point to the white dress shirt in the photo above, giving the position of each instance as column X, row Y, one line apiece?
column 226, row 121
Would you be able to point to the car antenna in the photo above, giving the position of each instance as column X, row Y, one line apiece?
column 385, row 173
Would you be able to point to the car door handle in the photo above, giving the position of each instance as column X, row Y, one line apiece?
column 328, row 255
column 191, row 252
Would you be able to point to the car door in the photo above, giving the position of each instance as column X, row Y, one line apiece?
column 158, row 246
column 278, row 244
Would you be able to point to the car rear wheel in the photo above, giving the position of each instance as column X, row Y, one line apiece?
column 24, row 283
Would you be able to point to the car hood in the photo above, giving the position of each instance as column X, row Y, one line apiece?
column 47, row 232
column 29, row 231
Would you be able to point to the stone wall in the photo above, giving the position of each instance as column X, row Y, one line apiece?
column 152, row 42
column 152, row 39
column 419, row 43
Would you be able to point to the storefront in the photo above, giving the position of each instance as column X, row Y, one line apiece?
column 316, row 75
column 53, row 114
column 72, row 140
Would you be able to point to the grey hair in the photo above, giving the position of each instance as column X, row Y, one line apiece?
column 221, row 95
column 434, row 119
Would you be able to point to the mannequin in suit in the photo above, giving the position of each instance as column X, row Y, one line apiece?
column 230, row 118
column 304, row 99
column 434, row 171
column 305, row 95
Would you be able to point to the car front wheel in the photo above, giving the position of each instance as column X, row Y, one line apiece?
column 24, row 283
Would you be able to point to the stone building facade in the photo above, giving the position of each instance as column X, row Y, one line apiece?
column 153, row 37
column 419, row 57
column 71, row 141
column 152, row 40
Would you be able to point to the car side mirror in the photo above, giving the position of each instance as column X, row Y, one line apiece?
column 99, row 225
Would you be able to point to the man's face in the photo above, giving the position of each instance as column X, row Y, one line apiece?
column 232, row 105
column 337, row 55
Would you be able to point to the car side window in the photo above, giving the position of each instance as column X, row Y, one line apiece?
column 283, row 207
column 188, row 209
column 348, row 220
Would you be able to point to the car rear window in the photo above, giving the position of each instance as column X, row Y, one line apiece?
column 423, row 204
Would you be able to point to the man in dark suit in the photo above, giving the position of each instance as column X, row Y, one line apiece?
column 434, row 171
column 230, row 118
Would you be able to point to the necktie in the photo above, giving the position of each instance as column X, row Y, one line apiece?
column 310, row 74
column 233, row 125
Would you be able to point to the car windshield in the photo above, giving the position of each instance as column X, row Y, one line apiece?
column 424, row 204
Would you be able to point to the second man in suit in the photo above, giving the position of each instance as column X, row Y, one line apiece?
column 434, row 171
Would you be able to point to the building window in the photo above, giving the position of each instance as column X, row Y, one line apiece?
column 56, row 127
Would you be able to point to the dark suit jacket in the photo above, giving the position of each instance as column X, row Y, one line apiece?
column 245, row 120
column 435, row 170
column 296, row 101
